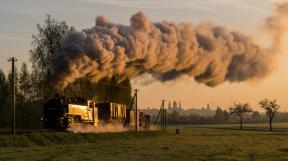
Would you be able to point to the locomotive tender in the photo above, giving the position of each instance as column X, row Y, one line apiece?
column 66, row 112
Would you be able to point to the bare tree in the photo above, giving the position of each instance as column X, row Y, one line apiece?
column 240, row 110
column 271, row 107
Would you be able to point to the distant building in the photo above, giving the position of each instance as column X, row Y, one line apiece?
column 208, row 107
column 206, row 111
column 175, row 107
column 169, row 105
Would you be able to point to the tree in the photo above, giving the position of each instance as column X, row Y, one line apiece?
column 9, row 85
column 106, row 90
column 44, row 45
column 271, row 107
column 25, row 82
column 6, row 111
column 221, row 116
column 4, row 119
column 173, row 117
column 3, row 89
column 240, row 110
column 25, row 91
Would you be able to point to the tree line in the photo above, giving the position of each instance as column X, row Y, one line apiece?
column 33, row 86
column 238, row 112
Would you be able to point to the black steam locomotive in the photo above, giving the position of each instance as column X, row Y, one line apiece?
column 66, row 112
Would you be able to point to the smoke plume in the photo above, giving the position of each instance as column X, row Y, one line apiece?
column 211, row 54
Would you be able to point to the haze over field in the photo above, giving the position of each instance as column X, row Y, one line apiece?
column 205, row 39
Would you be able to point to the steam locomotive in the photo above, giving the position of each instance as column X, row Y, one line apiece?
column 67, row 112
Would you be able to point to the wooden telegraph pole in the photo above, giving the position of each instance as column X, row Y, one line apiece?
column 136, row 110
column 13, row 98
column 133, row 102
column 162, row 114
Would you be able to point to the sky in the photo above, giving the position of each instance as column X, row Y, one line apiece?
column 18, row 20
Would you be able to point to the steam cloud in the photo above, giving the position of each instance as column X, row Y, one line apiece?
column 108, row 128
column 105, row 128
column 209, row 53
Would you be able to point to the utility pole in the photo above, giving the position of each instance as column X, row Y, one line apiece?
column 162, row 119
column 136, row 110
column 162, row 114
column 133, row 102
column 165, row 120
column 13, row 102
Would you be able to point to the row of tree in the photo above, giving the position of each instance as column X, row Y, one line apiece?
column 241, row 110
column 237, row 112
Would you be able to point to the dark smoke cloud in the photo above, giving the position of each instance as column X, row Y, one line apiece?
column 209, row 53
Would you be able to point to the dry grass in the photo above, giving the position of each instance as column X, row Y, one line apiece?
column 193, row 143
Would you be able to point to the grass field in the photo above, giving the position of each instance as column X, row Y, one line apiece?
column 221, row 142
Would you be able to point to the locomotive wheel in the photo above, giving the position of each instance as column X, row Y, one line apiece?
column 63, row 122
column 71, row 122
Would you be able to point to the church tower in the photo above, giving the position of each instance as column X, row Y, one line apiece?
column 174, row 105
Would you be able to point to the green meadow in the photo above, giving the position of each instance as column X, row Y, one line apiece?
column 217, row 142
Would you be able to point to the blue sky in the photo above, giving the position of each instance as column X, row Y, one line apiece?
column 18, row 20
